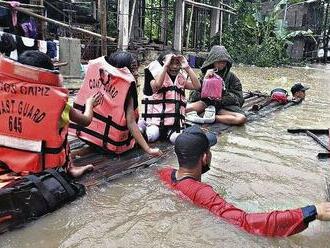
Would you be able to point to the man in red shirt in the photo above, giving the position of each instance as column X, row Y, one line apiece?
column 192, row 148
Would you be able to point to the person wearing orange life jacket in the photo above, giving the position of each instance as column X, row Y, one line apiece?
column 35, row 124
column 114, row 128
column 164, row 91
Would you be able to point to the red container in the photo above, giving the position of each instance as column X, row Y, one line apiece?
column 212, row 87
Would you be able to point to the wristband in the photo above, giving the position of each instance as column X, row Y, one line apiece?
column 309, row 213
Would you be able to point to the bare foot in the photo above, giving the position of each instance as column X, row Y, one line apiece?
column 78, row 171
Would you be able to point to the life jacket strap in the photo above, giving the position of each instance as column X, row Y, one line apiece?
column 102, row 137
column 49, row 198
column 171, row 88
column 164, row 115
column 106, row 120
column 161, row 101
column 63, row 182
column 105, row 136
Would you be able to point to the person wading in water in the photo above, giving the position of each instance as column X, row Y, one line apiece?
column 192, row 148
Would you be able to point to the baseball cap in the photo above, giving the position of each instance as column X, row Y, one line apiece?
column 193, row 142
column 298, row 87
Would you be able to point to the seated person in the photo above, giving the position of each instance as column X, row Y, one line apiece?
column 43, row 115
column 114, row 127
column 227, row 110
column 192, row 148
column 164, row 98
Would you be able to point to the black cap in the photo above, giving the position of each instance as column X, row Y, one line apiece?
column 298, row 87
column 193, row 142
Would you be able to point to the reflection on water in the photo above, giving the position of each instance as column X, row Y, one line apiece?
column 258, row 167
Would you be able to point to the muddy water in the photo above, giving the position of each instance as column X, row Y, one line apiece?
column 258, row 167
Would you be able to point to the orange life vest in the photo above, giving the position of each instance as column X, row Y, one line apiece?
column 108, row 129
column 166, row 108
column 31, row 104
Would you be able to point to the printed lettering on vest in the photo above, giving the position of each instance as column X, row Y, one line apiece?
column 29, row 113
column 108, row 129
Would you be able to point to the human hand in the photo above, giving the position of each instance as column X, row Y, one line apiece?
column 155, row 152
column 183, row 61
column 94, row 100
column 167, row 59
column 323, row 211
column 209, row 73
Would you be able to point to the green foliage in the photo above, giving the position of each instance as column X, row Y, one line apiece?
column 255, row 39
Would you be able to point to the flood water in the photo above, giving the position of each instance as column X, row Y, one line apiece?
column 258, row 167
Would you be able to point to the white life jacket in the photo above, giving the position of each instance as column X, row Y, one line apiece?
column 166, row 108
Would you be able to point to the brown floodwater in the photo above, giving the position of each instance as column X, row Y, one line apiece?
column 258, row 167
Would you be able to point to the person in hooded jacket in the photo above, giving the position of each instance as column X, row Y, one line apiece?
column 228, row 110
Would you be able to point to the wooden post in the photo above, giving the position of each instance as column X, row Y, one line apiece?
column 164, row 21
column 102, row 4
column 123, row 12
column 221, row 24
column 178, row 25
column 325, row 34
column 43, row 24
column 215, row 18
column 131, row 21
column 189, row 26
column 229, row 16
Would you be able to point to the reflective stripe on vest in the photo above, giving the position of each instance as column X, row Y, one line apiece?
column 30, row 139
column 108, row 129
column 167, row 106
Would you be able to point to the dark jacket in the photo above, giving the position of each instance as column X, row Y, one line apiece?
column 233, row 94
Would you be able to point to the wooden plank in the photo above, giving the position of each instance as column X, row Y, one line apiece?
column 323, row 155
column 318, row 140
column 315, row 131
column 207, row 6
column 110, row 166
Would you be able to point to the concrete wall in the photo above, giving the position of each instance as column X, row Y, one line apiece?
column 70, row 51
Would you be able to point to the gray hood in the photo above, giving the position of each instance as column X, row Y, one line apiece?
column 217, row 53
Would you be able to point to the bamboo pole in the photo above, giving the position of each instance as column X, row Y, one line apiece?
column 27, row 12
column 203, row 5
column 189, row 26
column 24, row 5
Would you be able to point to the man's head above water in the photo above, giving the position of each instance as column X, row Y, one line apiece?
column 298, row 90
column 192, row 148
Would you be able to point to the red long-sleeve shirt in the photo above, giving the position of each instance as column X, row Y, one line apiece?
column 275, row 223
